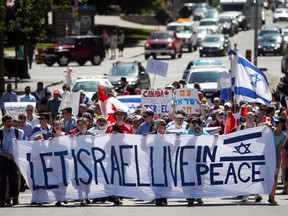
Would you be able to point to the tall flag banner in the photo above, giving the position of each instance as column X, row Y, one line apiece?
column 225, row 86
column 109, row 105
column 251, row 84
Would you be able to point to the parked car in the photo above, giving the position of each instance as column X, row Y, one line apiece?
column 185, row 30
column 280, row 14
column 89, row 85
column 76, row 48
column 215, row 44
column 207, row 77
column 271, row 44
column 163, row 43
column 134, row 72
column 200, row 63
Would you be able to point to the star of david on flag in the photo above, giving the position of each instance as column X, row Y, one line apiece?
column 251, row 84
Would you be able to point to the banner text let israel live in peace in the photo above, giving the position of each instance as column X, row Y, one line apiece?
column 148, row 167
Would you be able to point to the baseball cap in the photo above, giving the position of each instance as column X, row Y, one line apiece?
column 56, row 91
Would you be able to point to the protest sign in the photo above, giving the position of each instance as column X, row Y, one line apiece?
column 70, row 99
column 157, row 67
column 186, row 99
column 148, row 167
column 159, row 101
column 16, row 108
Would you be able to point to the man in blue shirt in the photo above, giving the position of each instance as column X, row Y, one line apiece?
column 149, row 123
column 8, row 168
column 8, row 96
column 28, row 97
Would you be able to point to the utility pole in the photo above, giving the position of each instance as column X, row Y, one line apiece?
column 256, row 20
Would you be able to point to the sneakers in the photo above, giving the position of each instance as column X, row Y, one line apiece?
column 15, row 201
column 258, row 198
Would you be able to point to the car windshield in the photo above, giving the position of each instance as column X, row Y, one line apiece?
column 285, row 33
column 224, row 19
column 179, row 28
column 205, row 23
column 203, row 76
column 271, row 39
column 160, row 36
column 263, row 32
column 69, row 41
column 89, row 86
column 124, row 70
column 212, row 39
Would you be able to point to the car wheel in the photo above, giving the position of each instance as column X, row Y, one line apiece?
column 201, row 54
column 173, row 56
column 190, row 49
column 96, row 59
column 63, row 60
column 81, row 62
column 49, row 62
column 180, row 54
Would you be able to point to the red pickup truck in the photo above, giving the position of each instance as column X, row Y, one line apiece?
column 163, row 43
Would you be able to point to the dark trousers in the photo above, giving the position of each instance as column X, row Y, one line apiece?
column 8, row 172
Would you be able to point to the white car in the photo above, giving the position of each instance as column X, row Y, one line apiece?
column 280, row 14
column 207, row 77
column 211, row 24
column 285, row 34
column 89, row 85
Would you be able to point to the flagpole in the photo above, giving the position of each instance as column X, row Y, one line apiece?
column 256, row 31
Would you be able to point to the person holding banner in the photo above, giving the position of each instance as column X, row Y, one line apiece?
column 43, row 128
column 68, row 121
column 279, row 139
column 8, row 168
column 160, row 125
column 149, row 123
column 119, row 127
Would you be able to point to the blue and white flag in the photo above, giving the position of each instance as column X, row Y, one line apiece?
column 251, row 84
column 224, row 85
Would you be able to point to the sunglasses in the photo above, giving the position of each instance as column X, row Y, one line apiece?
column 101, row 121
column 145, row 116
column 119, row 114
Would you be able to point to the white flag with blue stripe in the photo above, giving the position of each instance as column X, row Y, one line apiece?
column 251, row 84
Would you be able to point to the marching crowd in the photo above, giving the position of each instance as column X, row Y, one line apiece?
column 44, row 122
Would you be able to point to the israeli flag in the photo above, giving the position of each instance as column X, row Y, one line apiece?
column 251, row 84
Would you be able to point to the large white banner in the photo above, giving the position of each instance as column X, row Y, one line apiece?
column 148, row 167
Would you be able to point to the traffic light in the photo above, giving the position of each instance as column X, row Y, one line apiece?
column 248, row 54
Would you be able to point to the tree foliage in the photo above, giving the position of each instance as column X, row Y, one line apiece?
column 29, row 22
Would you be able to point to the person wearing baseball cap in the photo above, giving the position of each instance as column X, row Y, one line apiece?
column 54, row 103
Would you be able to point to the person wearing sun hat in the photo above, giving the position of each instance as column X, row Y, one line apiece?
column 119, row 126
column 100, row 126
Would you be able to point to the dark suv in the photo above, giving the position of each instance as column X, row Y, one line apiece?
column 134, row 72
column 76, row 48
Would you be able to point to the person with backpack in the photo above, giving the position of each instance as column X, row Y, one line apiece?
column 8, row 167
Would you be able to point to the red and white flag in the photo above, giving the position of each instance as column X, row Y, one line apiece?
column 109, row 105
column 231, row 123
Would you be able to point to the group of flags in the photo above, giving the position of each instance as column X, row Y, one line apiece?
column 245, row 83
